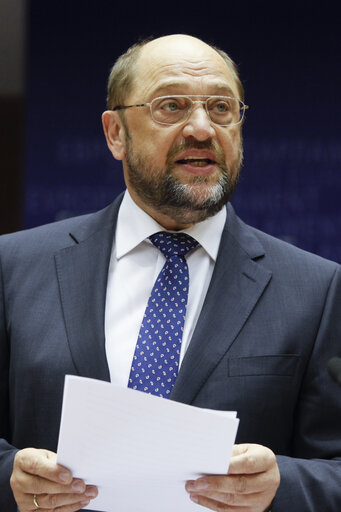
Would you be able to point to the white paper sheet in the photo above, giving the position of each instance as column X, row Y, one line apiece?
column 140, row 449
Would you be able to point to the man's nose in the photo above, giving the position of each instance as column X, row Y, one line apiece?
column 198, row 125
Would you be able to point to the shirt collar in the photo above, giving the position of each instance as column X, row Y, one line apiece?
column 134, row 226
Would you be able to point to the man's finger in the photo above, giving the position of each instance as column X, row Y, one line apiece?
column 234, row 484
column 33, row 484
column 251, row 501
column 42, row 463
column 53, row 501
column 249, row 459
column 239, row 449
column 75, row 507
column 218, row 506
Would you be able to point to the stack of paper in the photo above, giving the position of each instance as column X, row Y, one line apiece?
column 140, row 449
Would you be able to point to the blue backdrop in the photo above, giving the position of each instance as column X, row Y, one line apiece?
column 289, row 60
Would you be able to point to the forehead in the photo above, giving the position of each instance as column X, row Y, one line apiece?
column 181, row 65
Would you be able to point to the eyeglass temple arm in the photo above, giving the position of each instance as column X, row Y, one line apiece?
column 122, row 107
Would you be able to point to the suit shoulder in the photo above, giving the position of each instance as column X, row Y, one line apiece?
column 281, row 254
column 54, row 233
column 271, row 251
column 54, row 236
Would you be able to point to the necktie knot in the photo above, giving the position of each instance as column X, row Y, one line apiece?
column 173, row 244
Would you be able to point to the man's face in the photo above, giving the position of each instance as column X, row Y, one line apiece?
column 184, row 172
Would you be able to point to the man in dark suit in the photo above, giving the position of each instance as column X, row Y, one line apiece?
column 262, row 320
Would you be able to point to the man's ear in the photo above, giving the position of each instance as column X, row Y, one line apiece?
column 114, row 133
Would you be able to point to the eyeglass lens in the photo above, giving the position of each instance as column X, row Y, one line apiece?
column 173, row 109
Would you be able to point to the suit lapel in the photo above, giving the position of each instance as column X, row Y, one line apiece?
column 236, row 286
column 82, row 272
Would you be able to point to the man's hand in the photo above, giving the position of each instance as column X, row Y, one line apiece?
column 250, row 485
column 37, row 479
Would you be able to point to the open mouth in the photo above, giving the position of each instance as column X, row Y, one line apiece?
column 196, row 162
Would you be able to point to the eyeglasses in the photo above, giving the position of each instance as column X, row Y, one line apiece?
column 222, row 110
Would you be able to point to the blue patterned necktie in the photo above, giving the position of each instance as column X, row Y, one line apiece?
column 156, row 360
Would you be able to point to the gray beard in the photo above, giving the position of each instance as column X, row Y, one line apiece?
column 159, row 189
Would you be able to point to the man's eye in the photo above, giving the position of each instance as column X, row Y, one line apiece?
column 170, row 106
column 221, row 107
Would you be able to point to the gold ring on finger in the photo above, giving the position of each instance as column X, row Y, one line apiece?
column 35, row 501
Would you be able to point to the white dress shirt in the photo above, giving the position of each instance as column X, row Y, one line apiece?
column 134, row 266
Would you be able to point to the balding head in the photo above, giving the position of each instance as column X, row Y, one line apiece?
column 128, row 69
column 176, row 44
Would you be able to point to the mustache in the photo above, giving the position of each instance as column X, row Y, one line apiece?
column 196, row 144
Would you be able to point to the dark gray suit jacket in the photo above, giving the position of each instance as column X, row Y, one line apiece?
column 270, row 322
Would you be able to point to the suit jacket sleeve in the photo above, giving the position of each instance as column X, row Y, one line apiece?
column 314, row 485
column 7, row 451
